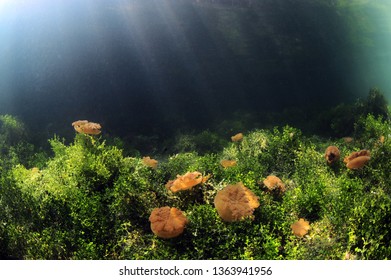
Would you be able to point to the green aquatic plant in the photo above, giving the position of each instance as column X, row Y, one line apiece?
column 341, row 120
column 64, row 204
column 12, row 130
column 203, row 142
column 90, row 201
column 375, row 104
column 370, row 129
column 15, row 147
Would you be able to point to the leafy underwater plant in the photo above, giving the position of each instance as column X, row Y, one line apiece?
column 89, row 201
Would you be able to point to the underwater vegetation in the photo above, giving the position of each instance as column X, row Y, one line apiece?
column 287, row 196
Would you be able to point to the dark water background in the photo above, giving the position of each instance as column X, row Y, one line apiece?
column 159, row 67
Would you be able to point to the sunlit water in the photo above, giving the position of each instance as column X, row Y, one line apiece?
column 159, row 66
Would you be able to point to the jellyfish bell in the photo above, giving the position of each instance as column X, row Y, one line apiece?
column 274, row 183
column 167, row 222
column 150, row 162
column 77, row 125
column 185, row 182
column 332, row 154
column 91, row 128
column 235, row 202
column 237, row 137
column 300, row 227
column 86, row 127
column 357, row 160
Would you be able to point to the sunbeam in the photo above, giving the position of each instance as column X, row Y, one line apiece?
column 187, row 64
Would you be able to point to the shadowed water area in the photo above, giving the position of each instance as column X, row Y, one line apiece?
column 158, row 68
